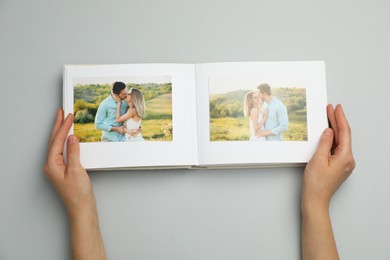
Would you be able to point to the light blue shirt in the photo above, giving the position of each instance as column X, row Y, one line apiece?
column 277, row 121
column 106, row 118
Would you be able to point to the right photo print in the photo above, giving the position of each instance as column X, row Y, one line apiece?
column 257, row 109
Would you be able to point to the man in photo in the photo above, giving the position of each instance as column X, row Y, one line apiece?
column 105, row 120
column 277, row 121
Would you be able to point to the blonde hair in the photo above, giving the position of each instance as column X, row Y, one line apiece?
column 248, row 103
column 138, row 100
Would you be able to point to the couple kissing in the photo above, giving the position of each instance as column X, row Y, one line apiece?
column 119, row 116
column 268, row 122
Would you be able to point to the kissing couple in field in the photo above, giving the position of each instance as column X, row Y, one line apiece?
column 268, row 122
column 119, row 116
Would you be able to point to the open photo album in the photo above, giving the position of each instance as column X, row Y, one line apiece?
column 211, row 115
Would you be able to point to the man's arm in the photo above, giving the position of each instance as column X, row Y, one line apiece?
column 75, row 189
column 325, row 172
column 281, row 112
column 99, row 121
column 101, row 114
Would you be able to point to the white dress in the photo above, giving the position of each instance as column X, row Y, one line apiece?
column 253, row 134
column 132, row 124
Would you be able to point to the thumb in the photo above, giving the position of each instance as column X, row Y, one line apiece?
column 73, row 151
column 325, row 144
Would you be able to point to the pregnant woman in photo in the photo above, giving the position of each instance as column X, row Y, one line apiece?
column 133, row 116
column 257, row 118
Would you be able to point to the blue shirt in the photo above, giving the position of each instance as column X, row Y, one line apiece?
column 277, row 121
column 106, row 118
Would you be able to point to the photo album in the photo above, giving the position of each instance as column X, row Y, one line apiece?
column 211, row 115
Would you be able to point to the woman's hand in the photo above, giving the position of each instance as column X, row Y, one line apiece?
column 329, row 167
column 133, row 132
column 70, row 180
column 75, row 189
column 117, row 99
column 332, row 162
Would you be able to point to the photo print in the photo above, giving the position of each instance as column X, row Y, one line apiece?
column 257, row 109
column 123, row 109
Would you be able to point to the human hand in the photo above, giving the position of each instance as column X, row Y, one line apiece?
column 263, row 133
column 75, row 189
column 260, row 133
column 119, row 129
column 117, row 99
column 331, row 164
column 134, row 132
column 70, row 180
column 122, row 130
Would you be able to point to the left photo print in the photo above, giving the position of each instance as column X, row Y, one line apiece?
column 123, row 109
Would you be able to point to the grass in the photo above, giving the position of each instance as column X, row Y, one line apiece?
column 229, row 129
column 87, row 132
column 151, row 131
column 159, row 107
column 237, row 129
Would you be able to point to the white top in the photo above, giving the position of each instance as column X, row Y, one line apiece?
column 132, row 124
column 253, row 136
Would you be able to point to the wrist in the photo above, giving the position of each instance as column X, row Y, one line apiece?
column 83, row 214
column 312, row 205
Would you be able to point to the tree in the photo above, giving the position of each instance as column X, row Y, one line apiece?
column 82, row 117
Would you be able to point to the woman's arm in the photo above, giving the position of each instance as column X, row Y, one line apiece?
column 133, row 132
column 118, row 110
column 124, row 117
column 75, row 189
column 325, row 172
column 119, row 118
column 254, row 116
column 130, row 131
column 265, row 116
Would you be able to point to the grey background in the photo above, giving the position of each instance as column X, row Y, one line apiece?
column 225, row 214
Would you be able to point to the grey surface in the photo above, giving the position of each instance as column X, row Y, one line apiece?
column 226, row 214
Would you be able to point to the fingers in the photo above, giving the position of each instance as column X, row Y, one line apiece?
column 333, row 125
column 324, row 146
column 57, row 124
column 73, row 151
column 343, row 156
column 57, row 145
column 343, row 125
column 345, row 143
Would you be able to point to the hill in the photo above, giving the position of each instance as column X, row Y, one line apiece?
column 231, row 104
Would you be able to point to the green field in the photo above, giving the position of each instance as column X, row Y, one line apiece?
column 237, row 129
column 151, row 131
column 159, row 107
column 229, row 129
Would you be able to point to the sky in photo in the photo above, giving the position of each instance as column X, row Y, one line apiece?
column 225, row 84
column 125, row 79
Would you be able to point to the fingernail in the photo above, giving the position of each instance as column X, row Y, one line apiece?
column 70, row 114
column 328, row 132
column 72, row 139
